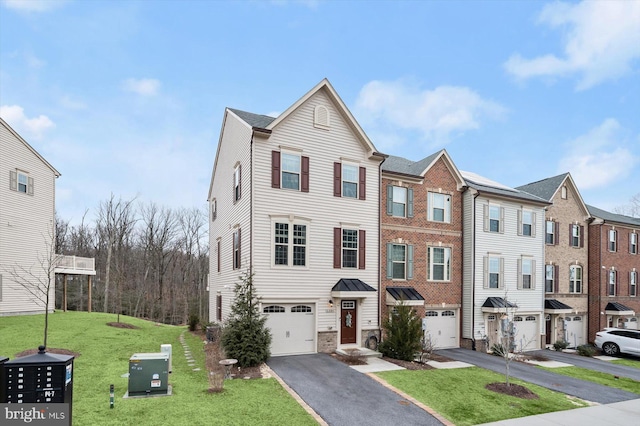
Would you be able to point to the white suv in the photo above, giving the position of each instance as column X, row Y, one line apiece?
column 614, row 341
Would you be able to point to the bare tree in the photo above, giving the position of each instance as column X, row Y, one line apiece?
column 38, row 279
column 632, row 209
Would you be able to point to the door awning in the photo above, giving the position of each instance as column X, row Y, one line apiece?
column 553, row 306
column 404, row 295
column 352, row 288
column 497, row 304
column 616, row 308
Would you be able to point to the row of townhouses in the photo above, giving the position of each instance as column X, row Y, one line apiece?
column 337, row 234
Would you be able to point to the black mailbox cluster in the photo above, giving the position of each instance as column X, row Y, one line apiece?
column 39, row 378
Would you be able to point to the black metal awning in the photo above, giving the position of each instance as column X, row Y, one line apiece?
column 616, row 308
column 553, row 306
column 405, row 295
column 352, row 288
column 498, row 302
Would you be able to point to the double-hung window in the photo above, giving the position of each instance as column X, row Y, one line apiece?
column 633, row 283
column 349, row 180
column 550, row 232
column 493, row 218
column 613, row 236
column 633, row 243
column 349, row 248
column 493, row 271
column 527, row 223
column 236, row 249
column 549, row 278
column 576, row 236
column 526, row 273
column 439, row 261
column 290, row 249
column 20, row 182
column 439, row 207
column 399, row 261
column 399, row 201
column 575, row 279
column 237, row 183
column 613, row 279
column 290, row 171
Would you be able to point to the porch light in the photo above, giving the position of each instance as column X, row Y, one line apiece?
column 330, row 304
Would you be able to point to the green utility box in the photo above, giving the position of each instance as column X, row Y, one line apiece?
column 148, row 374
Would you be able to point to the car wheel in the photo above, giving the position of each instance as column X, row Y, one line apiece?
column 610, row 349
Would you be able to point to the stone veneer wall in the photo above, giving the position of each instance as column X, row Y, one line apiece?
column 327, row 341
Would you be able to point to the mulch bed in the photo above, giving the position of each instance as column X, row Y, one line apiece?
column 49, row 350
column 512, row 390
column 122, row 325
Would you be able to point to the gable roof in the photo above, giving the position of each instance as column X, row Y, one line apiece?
column 403, row 166
column 484, row 185
column 606, row 216
column 254, row 120
column 548, row 188
column 40, row 157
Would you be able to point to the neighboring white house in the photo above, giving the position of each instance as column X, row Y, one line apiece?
column 503, row 260
column 295, row 200
column 27, row 214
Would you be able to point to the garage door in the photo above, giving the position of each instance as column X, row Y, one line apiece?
column 527, row 332
column 442, row 328
column 575, row 331
column 631, row 323
column 293, row 328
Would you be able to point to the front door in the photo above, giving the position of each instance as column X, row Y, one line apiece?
column 348, row 322
column 548, row 330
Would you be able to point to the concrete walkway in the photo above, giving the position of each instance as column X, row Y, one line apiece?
column 592, row 364
column 587, row 391
column 343, row 396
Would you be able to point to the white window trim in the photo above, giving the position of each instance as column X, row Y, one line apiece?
column 447, row 271
column 343, row 180
column 532, row 273
column 632, row 236
column 553, row 280
column 291, row 221
column 521, row 222
column 633, row 283
column 553, row 232
column 612, row 233
column 575, row 229
column 237, row 183
column 393, row 262
column 283, row 171
column 343, row 248
column 581, row 280
column 431, row 205
column 612, row 274
column 406, row 200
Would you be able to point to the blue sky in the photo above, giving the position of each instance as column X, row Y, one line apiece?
column 127, row 97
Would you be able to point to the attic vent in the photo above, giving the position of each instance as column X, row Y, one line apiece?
column 321, row 117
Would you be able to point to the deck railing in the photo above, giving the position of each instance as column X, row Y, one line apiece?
column 76, row 263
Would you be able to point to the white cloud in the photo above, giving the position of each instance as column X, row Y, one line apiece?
column 601, row 42
column 71, row 103
column 598, row 158
column 143, row 86
column 33, row 5
column 14, row 115
column 436, row 114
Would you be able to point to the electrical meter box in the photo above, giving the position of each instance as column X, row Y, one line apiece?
column 39, row 378
column 148, row 374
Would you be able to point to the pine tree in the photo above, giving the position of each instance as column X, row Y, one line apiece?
column 245, row 336
column 403, row 331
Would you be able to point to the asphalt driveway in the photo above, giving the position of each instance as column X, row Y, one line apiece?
column 344, row 396
column 592, row 364
column 582, row 389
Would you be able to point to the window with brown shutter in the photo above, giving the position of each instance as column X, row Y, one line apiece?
column 337, row 247
column 275, row 169
column 363, row 183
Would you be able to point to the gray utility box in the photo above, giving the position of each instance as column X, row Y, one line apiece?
column 148, row 374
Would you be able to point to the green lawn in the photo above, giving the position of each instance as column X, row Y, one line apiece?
column 629, row 362
column 460, row 395
column 104, row 355
column 598, row 377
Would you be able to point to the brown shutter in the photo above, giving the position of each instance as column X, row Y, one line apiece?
column 570, row 235
column 337, row 247
column 556, row 278
column 218, row 255
column 219, row 307
column 363, row 183
column 581, row 236
column 337, row 179
column 305, row 175
column 239, row 181
column 556, row 237
column 362, row 246
column 275, row 169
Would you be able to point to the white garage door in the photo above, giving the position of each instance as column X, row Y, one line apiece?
column 442, row 328
column 631, row 323
column 293, row 328
column 575, row 331
column 527, row 332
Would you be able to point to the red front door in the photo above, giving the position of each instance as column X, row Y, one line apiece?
column 348, row 322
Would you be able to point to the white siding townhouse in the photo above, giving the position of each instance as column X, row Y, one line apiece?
column 27, row 211
column 503, row 263
column 295, row 200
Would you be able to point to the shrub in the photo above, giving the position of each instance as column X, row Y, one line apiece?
column 245, row 336
column 403, row 333
column 586, row 350
column 193, row 322
column 559, row 345
column 498, row 349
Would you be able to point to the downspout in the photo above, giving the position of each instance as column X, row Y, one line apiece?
column 380, row 295
column 251, row 204
column 473, row 272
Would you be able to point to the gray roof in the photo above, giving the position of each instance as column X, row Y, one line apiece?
column 254, row 120
column 544, row 188
column 352, row 284
column 555, row 304
column 612, row 217
column 512, row 193
column 404, row 293
column 407, row 167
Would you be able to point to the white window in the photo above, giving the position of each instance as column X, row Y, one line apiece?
column 527, row 223
column 550, row 232
column 494, row 267
column 633, row 243
column 20, row 182
column 575, row 236
column 494, row 218
column 439, row 207
column 549, row 278
column 399, row 201
column 236, row 249
column 613, row 278
column 23, row 182
column 399, row 261
column 214, row 209
column 612, row 239
column 575, row 279
column 633, row 283
column 290, row 249
column 290, row 171
column 527, row 269
column 236, row 183
column 274, row 309
column 439, row 261
column 431, row 314
column 349, row 180
column 349, row 248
